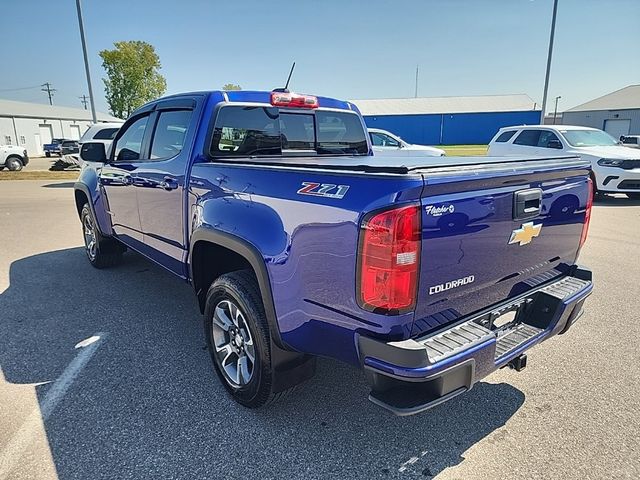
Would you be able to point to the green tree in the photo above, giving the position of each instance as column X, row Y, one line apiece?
column 132, row 76
column 231, row 86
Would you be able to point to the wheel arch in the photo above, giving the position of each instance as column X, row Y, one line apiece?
column 213, row 253
column 82, row 196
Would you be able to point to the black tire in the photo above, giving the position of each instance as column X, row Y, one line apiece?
column 13, row 164
column 633, row 196
column 47, row 154
column 241, row 288
column 106, row 252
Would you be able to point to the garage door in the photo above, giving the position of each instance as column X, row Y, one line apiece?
column 75, row 132
column 617, row 127
column 46, row 133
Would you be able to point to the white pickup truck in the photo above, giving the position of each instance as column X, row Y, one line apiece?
column 13, row 158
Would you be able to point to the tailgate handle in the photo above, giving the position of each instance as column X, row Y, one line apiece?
column 527, row 203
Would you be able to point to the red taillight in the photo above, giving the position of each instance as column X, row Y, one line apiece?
column 389, row 260
column 587, row 213
column 294, row 100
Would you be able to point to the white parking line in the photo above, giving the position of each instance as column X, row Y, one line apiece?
column 24, row 436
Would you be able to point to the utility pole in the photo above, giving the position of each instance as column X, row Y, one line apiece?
column 83, row 101
column 549, row 55
column 416, row 92
column 555, row 111
column 86, row 61
column 47, row 88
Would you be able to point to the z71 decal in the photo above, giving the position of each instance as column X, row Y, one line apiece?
column 328, row 190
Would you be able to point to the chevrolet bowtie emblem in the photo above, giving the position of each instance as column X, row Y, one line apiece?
column 524, row 234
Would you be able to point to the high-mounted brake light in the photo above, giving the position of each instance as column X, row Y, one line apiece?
column 294, row 100
column 587, row 213
column 389, row 259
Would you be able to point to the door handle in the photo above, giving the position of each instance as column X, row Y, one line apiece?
column 169, row 183
column 527, row 203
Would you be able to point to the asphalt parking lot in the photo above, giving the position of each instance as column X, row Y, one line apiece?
column 140, row 399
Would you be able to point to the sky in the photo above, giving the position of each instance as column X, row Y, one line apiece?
column 342, row 48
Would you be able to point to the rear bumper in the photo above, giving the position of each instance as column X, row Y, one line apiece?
column 414, row 375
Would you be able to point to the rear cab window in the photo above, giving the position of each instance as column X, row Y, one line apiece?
column 257, row 131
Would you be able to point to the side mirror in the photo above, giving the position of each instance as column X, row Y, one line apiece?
column 554, row 144
column 93, row 152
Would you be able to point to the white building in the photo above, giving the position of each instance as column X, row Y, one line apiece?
column 31, row 125
column 617, row 113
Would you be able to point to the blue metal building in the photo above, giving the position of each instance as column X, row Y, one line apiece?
column 449, row 120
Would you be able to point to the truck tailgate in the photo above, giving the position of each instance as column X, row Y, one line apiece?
column 493, row 231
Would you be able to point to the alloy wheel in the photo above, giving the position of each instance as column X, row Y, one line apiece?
column 233, row 344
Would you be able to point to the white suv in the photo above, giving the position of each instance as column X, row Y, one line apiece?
column 100, row 133
column 616, row 169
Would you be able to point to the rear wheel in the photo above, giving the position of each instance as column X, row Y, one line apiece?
column 238, row 338
column 102, row 252
column 14, row 164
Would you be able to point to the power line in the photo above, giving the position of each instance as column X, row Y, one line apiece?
column 19, row 88
column 83, row 100
column 47, row 88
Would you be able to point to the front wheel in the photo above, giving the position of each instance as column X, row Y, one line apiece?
column 47, row 154
column 101, row 252
column 238, row 338
column 13, row 164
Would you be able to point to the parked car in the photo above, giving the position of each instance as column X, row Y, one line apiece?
column 13, row 158
column 299, row 243
column 632, row 141
column 386, row 143
column 54, row 148
column 68, row 147
column 100, row 133
column 615, row 168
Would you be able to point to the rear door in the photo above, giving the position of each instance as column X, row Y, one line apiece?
column 495, row 231
column 160, row 183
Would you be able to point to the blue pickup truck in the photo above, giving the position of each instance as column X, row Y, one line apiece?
column 428, row 273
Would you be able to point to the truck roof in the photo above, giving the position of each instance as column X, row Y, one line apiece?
column 254, row 96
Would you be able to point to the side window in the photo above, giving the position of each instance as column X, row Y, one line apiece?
column 505, row 136
column 129, row 145
column 168, row 137
column 389, row 142
column 548, row 140
column 377, row 140
column 528, row 137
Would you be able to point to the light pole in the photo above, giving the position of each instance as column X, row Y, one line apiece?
column 86, row 61
column 555, row 110
column 549, row 55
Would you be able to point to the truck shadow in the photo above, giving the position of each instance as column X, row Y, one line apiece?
column 148, row 405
